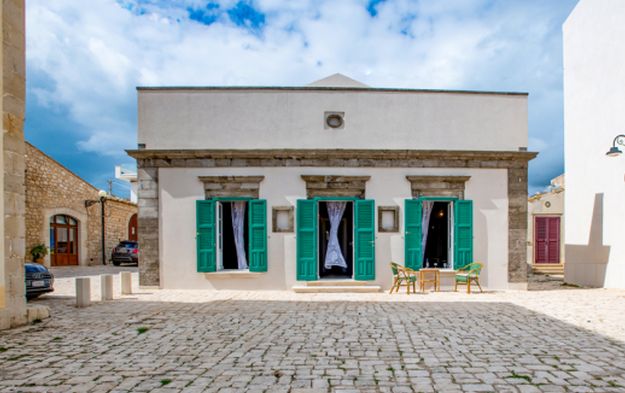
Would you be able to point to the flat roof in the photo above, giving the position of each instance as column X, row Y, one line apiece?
column 324, row 88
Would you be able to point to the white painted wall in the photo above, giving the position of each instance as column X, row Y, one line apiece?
column 180, row 188
column 275, row 119
column 594, row 113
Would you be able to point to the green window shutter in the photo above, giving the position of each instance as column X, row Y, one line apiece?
column 364, row 229
column 258, row 235
column 463, row 233
column 306, row 240
column 205, row 237
column 412, row 238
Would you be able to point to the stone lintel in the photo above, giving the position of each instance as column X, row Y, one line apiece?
column 447, row 186
column 231, row 186
column 335, row 185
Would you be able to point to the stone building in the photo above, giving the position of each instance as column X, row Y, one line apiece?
column 12, row 85
column 323, row 185
column 63, row 212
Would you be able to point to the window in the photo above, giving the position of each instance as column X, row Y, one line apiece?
column 231, row 234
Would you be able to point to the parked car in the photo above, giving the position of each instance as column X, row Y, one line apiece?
column 39, row 280
column 125, row 252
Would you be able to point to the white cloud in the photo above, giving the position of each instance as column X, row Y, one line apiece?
column 96, row 52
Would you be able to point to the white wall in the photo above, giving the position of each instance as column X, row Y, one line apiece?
column 180, row 188
column 275, row 119
column 594, row 113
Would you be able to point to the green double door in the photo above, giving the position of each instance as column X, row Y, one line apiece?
column 463, row 232
column 307, row 219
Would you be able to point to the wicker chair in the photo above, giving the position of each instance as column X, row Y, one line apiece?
column 468, row 273
column 403, row 277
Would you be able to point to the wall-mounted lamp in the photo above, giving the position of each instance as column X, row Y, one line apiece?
column 614, row 150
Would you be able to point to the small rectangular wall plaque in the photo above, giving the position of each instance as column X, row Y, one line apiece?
column 388, row 218
column 282, row 219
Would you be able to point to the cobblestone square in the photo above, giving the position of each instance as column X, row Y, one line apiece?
column 564, row 340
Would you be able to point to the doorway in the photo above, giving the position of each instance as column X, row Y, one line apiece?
column 438, row 234
column 547, row 240
column 63, row 240
column 333, row 265
column 132, row 228
column 232, row 235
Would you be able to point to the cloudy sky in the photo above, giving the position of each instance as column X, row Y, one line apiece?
column 85, row 58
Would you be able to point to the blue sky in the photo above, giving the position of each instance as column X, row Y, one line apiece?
column 84, row 60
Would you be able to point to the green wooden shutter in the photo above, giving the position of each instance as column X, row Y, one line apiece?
column 364, row 230
column 258, row 235
column 463, row 233
column 306, row 240
column 205, row 237
column 412, row 238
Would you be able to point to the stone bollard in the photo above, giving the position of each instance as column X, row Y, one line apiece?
column 106, row 286
column 126, row 283
column 83, row 291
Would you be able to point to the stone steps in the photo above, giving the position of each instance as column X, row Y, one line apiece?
column 336, row 289
column 548, row 269
column 335, row 283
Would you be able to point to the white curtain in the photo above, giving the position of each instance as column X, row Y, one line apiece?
column 238, row 223
column 426, row 208
column 334, row 256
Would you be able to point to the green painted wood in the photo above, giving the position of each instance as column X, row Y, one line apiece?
column 205, row 236
column 412, row 238
column 463, row 233
column 306, row 221
column 364, row 231
column 257, row 235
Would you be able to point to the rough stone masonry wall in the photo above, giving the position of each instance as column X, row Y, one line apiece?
column 147, row 192
column 117, row 217
column 52, row 188
column 12, row 301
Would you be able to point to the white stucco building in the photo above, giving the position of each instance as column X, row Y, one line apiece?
column 330, row 181
column 594, row 113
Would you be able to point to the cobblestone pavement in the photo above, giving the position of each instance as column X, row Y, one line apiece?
column 194, row 341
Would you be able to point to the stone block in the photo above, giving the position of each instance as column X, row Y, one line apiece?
column 83, row 292
column 126, row 283
column 106, row 286
column 37, row 312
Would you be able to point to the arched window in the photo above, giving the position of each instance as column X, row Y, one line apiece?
column 63, row 240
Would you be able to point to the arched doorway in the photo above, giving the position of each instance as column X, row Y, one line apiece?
column 63, row 240
column 132, row 228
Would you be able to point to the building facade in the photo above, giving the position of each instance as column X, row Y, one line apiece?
column 594, row 98
column 12, row 84
column 64, row 213
column 275, row 188
column 545, row 229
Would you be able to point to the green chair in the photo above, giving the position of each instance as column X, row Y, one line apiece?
column 403, row 277
column 468, row 273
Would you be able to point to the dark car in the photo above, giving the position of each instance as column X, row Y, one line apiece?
column 39, row 280
column 126, row 252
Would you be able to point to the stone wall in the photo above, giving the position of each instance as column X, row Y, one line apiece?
column 13, row 73
column 53, row 189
